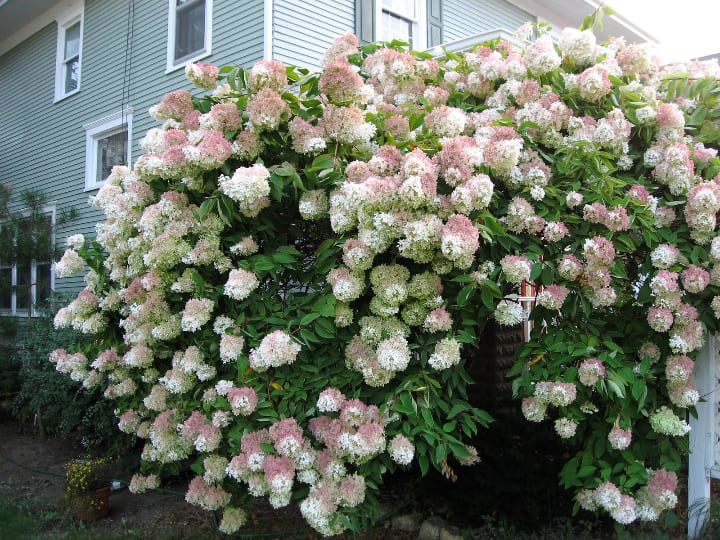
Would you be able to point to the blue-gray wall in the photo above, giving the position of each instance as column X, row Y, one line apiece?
column 42, row 144
column 302, row 31
column 463, row 18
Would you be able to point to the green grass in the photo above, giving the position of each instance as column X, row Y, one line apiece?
column 16, row 520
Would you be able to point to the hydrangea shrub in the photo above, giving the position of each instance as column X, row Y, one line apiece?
column 290, row 277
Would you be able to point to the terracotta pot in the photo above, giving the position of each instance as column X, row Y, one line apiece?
column 94, row 506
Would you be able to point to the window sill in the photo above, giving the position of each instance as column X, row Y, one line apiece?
column 171, row 68
column 17, row 315
column 93, row 187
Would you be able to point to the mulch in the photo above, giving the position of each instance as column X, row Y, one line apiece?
column 32, row 468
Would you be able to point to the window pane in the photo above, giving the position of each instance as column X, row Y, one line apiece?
column 189, row 29
column 22, row 292
column 71, row 75
column 42, row 283
column 72, row 40
column 5, row 288
column 394, row 27
column 111, row 151
column 402, row 7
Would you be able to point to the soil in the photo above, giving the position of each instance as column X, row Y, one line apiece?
column 32, row 468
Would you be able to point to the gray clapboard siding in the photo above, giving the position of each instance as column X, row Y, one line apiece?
column 42, row 144
column 463, row 18
column 302, row 31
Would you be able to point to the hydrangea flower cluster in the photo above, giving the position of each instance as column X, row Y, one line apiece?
column 283, row 280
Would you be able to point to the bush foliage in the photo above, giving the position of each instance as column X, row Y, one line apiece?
column 51, row 401
column 287, row 277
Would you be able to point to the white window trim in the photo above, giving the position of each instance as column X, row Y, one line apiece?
column 65, row 21
column 49, row 210
column 207, row 50
column 98, row 129
column 419, row 22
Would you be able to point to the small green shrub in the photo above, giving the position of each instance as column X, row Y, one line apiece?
column 56, row 404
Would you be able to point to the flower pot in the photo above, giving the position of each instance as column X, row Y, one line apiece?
column 92, row 506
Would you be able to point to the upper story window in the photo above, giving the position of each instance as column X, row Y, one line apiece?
column 404, row 20
column 189, row 31
column 69, row 55
column 417, row 22
column 107, row 143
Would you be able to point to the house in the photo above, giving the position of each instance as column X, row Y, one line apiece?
column 77, row 77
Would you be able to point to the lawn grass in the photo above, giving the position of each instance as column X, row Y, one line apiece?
column 16, row 520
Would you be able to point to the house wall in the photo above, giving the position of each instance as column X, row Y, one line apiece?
column 463, row 18
column 302, row 31
column 42, row 144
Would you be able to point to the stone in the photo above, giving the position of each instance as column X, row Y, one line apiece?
column 407, row 522
column 430, row 529
column 450, row 532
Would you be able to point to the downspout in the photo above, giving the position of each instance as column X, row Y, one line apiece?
column 268, row 30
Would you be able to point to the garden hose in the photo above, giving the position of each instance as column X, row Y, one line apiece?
column 27, row 467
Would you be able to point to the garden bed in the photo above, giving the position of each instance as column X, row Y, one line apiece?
column 31, row 476
column 31, row 480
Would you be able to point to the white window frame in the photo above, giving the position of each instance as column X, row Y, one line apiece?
column 50, row 211
column 68, row 19
column 419, row 22
column 99, row 129
column 172, row 64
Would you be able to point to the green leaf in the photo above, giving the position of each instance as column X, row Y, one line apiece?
column 537, row 268
column 205, row 208
column 459, row 450
column 616, row 384
column 276, row 186
column 488, row 298
column 424, row 463
column 427, row 416
column 322, row 162
column 325, row 329
column 325, row 305
column 464, row 295
column 310, row 317
column 440, row 453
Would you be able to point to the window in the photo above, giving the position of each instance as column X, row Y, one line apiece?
column 398, row 18
column 24, row 281
column 403, row 20
column 107, row 143
column 418, row 22
column 69, row 56
column 189, row 31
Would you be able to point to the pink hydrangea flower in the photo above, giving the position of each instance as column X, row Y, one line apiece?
column 695, row 279
column 591, row 371
column 243, row 401
column 660, row 319
column 401, row 450
column 552, row 297
column 202, row 75
column 516, row 268
column 330, row 400
column 619, row 438
column 275, row 349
